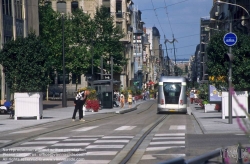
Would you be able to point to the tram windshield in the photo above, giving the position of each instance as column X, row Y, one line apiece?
column 172, row 92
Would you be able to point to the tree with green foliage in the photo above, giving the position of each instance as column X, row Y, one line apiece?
column 78, row 55
column 25, row 64
column 85, row 38
column 218, row 65
column 105, row 38
column 50, row 31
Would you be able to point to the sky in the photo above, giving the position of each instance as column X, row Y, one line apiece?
column 180, row 18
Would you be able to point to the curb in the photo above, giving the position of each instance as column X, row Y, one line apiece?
column 126, row 110
column 199, row 123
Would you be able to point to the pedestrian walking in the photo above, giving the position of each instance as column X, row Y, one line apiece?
column 191, row 95
column 79, row 102
column 129, row 100
column 133, row 99
column 122, row 100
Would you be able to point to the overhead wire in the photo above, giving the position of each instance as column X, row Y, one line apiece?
column 164, row 6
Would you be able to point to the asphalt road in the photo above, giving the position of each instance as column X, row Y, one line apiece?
column 107, row 138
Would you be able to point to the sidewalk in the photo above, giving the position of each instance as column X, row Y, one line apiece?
column 212, row 122
column 54, row 112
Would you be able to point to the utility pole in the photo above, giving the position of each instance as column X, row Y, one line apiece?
column 174, row 40
column 168, row 73
column 174, row 58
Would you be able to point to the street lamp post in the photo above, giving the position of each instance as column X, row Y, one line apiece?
column 230, row 121
column 64, row 101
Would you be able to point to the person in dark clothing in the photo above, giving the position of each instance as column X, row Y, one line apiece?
column 115, row 104
column 7, row 104
column 79, row 101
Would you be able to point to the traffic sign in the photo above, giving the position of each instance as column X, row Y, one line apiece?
column 230, row 39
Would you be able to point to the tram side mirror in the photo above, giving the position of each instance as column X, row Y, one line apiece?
column 229, row 57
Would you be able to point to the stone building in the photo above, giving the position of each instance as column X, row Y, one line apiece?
column 124, row 16
column 17, row 18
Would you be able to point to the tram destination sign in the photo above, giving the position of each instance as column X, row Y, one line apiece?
column 230, row 39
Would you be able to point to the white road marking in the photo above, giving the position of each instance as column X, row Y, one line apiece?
column 39, row 142
column 177, row 127
column 111, row 141
column 51, row 138
column 118, row 137
column 89, row 162
column 71, row 144
column 5, row 162
column 91, row 136
column 163, row 148
column 28, row 131
column 4, row 141
column 168, row 138
column 167, row 142
column 86, row 128
column 81, row 139
column 104, row 146
column 240, row 134
column 169, row 134
column 148, row 157
column 126, row 128
column 102, row 153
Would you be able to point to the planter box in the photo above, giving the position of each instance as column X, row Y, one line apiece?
column 209, row 107
column 242, row 96
column 28, row 105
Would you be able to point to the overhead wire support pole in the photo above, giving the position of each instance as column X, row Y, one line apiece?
column 174, row 57
column 174, row 40
column 165, row 42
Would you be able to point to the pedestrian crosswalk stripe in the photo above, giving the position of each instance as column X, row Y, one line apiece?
column 168, row 138
column 169, row 134
column 87, row 162
column 71, row 144
column 81, row 139
column 91, row 136
column 5, row 162
column 39, row 142
column 167, row 142
column 177, row 127
column 104, row 146
column 102, row 153
column 86, row 128
column 28, row 131
column 51, row 138
column 4, row 141
column 163, row 148
column 106, row 137
column 126, row 128
column 154, row 156
column 111, row 141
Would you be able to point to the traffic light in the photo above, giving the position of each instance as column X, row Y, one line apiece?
column 229, row 57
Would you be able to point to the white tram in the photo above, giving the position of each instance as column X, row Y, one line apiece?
column 172, row 94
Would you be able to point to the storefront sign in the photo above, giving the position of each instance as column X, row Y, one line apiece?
column 214, row 94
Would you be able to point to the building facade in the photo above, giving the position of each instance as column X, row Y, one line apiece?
column 124, row 15
column 17, row 19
